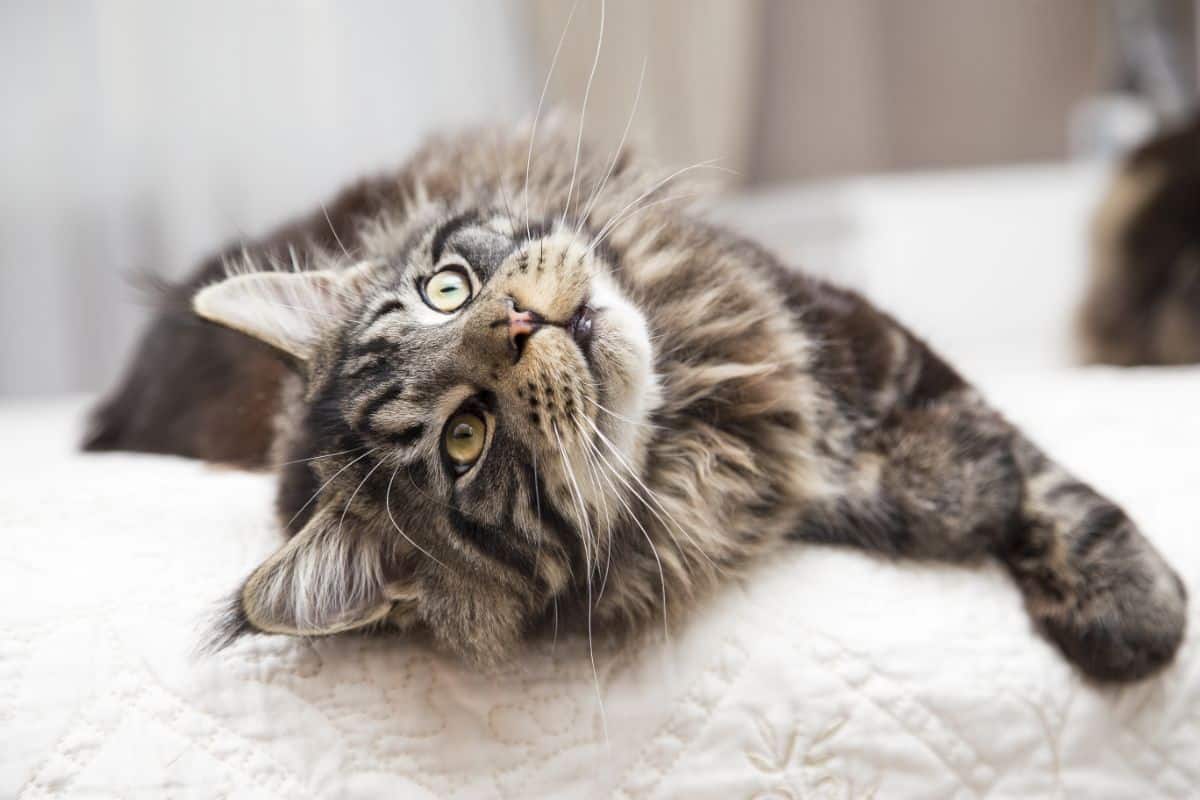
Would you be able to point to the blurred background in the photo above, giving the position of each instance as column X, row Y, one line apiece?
column 944, row 156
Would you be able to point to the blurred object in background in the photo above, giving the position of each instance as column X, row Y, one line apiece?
column 1154, row 75
column 1142, row 305
column 1143, row 302
column 147, row 135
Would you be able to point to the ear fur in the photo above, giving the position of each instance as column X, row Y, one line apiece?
column 324, row 580
column 288, row 310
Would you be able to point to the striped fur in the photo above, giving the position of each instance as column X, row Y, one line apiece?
column 723, row 408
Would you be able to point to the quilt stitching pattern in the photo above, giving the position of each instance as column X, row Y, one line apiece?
column 801, row 682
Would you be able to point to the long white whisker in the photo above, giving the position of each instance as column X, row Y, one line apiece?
column 709, row 164
column 321, row 488
column 651, row 494
column 333, row 230
column 583, row 513
column 316, row 458
column 587, row 460
column 537, row 505
column 662, row 579
column 387, row 504
column 583, row 113
column 616, row 153
column 354, row 494
column 618, row 222
column 580, row 507
column 621, row 417
column 538, row 113
column 512, row 222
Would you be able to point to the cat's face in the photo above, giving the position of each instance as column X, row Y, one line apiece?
column 476, row 404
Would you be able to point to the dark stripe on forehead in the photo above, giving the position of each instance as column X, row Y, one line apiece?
column 388, row 307
column 447, row 230
column 493, row 542
column 386, row 396
column 408, row 436
column 379, row 344
column 376, row 370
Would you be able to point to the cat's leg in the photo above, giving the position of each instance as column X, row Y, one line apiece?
column 1093, row 583
column 952, row 480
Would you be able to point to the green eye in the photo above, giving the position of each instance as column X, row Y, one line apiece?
column 464, row 439
column 448, row 290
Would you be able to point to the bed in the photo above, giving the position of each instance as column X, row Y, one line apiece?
column 827, row 673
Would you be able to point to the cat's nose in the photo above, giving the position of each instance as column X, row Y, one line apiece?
column 522, row 322
column 521, row 325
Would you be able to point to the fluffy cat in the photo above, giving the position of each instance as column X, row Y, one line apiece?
column 1143, row 305
column 511, row 392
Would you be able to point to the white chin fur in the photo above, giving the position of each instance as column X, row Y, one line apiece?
column 625, row 360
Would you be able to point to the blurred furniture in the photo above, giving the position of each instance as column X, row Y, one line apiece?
column 988, row 264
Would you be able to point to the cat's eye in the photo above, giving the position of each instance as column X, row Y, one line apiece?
column 464, row 439
column 448, row 289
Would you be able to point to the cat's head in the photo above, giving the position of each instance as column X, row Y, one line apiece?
column 475, row 398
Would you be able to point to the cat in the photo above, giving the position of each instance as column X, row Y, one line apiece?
column 1143, row 302
column 510, row 389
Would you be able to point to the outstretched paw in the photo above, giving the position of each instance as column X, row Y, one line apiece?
column 1120, row 626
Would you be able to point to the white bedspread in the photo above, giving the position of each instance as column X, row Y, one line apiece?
column 829, row 674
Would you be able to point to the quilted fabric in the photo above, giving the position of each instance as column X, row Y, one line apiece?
column 828, row 674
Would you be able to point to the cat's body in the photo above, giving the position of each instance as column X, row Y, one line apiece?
column 1143, row 304
column 600, row 429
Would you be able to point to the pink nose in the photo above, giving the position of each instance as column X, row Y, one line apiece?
column 521, row 322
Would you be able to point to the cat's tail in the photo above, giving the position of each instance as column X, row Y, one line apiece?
column 193, row 389
column 198, row 389
column 1092, row 582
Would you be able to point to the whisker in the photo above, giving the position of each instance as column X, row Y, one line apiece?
column 321, row 488
column 512, row 222
column 580, row 506
column 591, row 648
column 317, row 458
column 651, row 494
column 623, row 418
column 346, row 508
column 662, row 579
column 333, row 230
column 607, row 518
column 610, row 229
column 583, row 113
column 616, row 153
column 708, row 164
column 538, row 113
column 387, row 504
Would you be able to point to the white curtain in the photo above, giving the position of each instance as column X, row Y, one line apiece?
column 143, row 135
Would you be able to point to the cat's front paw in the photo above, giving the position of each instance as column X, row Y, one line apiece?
column 1123, row 624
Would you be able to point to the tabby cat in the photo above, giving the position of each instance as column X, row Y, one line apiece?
column 509, row 390
column 1143, row 305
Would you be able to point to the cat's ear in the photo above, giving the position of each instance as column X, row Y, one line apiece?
column 287, row 310
column 326, row 579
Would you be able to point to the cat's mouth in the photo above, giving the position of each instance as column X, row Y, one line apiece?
column 580, row 326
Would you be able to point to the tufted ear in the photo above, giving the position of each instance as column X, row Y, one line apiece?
column 326, row 579
column 288, row 310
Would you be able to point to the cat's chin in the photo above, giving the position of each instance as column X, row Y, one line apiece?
column 622, row 362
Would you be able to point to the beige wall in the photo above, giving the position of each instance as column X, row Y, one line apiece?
column 877, row 85
column 794, row 89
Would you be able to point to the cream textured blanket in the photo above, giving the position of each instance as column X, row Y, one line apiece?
column 828, row 674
